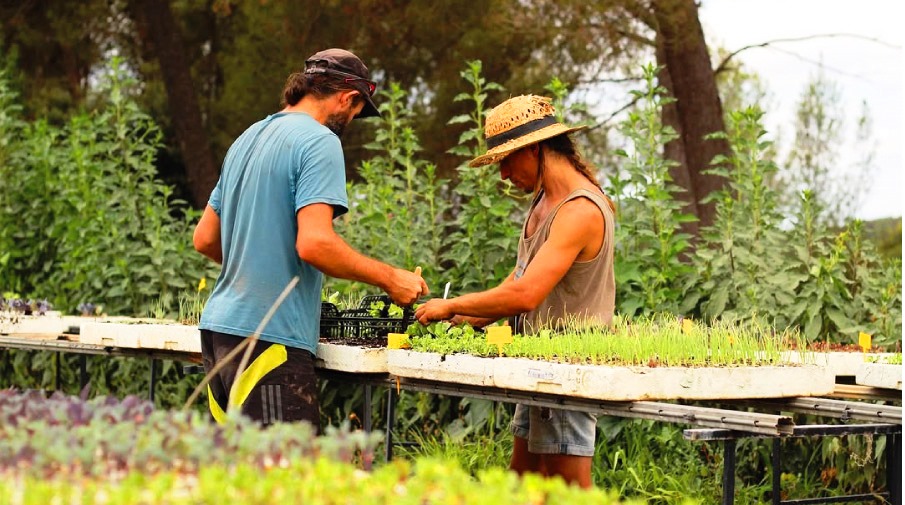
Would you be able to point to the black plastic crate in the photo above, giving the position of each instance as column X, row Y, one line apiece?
column 359, row 323
column 367, row 301
column 329, row 320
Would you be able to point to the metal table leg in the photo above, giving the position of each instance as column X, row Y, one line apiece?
column 729, row 472
column 57, row 381
column 391, row 413
column 367, row 412
column 894, row 468
column 777, row 473
column 83, row 371
column 153, row 380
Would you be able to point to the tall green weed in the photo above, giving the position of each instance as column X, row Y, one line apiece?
column 398, row 209
column 648, row 241
column 752, row 264
column 481, row 249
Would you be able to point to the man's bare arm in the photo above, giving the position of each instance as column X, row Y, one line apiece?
column 206, row 238
column 318, row 244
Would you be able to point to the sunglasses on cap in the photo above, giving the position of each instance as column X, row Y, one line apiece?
column 318, row 67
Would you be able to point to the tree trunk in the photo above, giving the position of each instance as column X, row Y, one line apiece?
column 675, row 149
column 698, row 110
column 158, row 31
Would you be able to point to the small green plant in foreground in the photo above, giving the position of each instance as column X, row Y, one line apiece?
column 319, row 481
column 72, row 436
column 661, row 340
column 68, row 450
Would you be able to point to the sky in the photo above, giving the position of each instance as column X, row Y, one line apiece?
column 863, row 71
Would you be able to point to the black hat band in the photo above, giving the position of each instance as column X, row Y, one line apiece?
column 519, row 131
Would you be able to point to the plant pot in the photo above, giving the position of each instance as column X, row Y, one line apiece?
column 456, row 368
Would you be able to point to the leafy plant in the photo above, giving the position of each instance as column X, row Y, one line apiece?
column 46, row 435
column 191, row 304
column 648, row 241
column 106, row 229
column 396, row 212
column 739, row 268
column 748, row 267
column 481, row 248
column 308, row 481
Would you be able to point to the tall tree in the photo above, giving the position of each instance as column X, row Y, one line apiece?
column 687, row 74
column 239, row 54
column 159, row 31
column 682, row 50
column 55, row 45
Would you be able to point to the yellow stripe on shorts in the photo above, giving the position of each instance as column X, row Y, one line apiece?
column 216, row 411
column 274, row 356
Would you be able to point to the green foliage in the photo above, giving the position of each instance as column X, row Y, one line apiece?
column 481, row 249
column 846, row 287
column 89, row 220
column 640, row 459
column 397, row 210
column 11, row 126
column 649, row 245
column 739, row 263
column 887, row 235
column 311, row 480
column 46, row 435
column 747, row 266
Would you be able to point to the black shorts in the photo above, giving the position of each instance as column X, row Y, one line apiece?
column 277, row 385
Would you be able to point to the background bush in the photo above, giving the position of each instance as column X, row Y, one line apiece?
column 84, row 217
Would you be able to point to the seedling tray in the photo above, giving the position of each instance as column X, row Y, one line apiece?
column 614, row 383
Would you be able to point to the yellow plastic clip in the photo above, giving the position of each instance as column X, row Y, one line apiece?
column 398, row 341
column 499, row 336
column 687, row 325
column 864, row 341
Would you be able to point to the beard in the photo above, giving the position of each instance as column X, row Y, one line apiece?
column 337, row 123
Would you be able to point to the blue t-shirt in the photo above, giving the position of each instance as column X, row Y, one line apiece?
column 277, row 166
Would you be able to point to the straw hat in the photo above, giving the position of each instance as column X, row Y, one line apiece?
column 516, row 123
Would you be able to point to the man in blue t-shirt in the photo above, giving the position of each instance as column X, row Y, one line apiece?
column 270, row 220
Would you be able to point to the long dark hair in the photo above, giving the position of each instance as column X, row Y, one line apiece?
column 565, row 146
column 300, row 84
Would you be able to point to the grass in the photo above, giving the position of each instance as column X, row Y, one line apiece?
column 661, row 340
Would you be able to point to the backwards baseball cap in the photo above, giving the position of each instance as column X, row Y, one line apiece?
column 346, row 66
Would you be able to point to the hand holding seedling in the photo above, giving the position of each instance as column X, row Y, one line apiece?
column 436, row 309
column 405, row 287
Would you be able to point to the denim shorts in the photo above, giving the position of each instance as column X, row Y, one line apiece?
column 555, row 431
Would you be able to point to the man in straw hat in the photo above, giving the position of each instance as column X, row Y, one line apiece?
column 563, row 274
column 269, row 221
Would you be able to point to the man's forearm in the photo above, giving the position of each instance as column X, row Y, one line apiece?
column 338, row 259
column 507, row 299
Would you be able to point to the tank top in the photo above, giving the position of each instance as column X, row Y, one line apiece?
column 586, row 295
